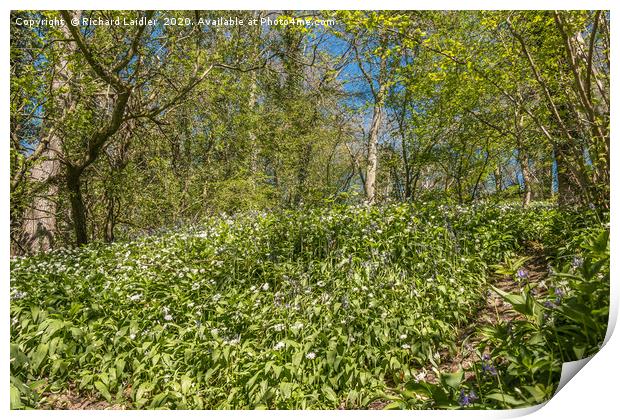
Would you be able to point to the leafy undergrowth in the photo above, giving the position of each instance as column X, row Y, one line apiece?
column 321, row 308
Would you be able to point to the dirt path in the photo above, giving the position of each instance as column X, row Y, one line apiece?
column 72, row 399
column 494, row 311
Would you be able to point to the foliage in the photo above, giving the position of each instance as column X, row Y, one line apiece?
column 399, row 105
column 316, row 308
column 519, row 361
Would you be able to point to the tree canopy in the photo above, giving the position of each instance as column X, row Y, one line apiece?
column 122, row 129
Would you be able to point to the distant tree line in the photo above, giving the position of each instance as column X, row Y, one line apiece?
column 118, row 129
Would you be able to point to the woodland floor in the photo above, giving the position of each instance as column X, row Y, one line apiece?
column 494, row 311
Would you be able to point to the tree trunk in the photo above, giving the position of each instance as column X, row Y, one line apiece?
column 405, row 156
column 38, row 227
column 567, row 190
column 414, row 185
column 252, row 104
column 497, row 174
column 39, row 220
column 474, row 192
column 110, row 221
column 251, row 133
column 78, row 210
column 527, row 177
column 523, row 158
column 373, row 137
column 459, row 189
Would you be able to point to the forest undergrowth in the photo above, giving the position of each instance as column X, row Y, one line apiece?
column 395, row 306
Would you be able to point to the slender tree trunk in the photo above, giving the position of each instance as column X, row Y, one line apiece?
column 552, row 175
column 497, row 175
column 527, row 177
column 474, row 192
column 414, row 185
column 523, row 158
column 375, row 125
column 373, row 139
column 566, row 188
column 110, row 220
column 407, row 169
column 251, row 133
column 459, row 190
column 252, row 103
column 78, row 210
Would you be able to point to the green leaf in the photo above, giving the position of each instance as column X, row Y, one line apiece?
column 394, row 405
column 413, row 389
column 16, row 402
column 39, row 355
column 538, row 392
column 297, row 357
column 331, row 357
column 329, row 393
column 286, row 389
column 186, row 384
column 508, row 399
column 142, row 389
column 453, row 380
column 103, row 390
column 159, row 399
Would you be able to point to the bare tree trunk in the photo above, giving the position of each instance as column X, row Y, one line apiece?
column 252, row 103
column 523, row 158
column 414, row 184
column 373, row 137
column 408, row 192
column 251, row 133
column 566, row 186
column 78, row 210
column 39, row 220
column 497, row 174
column 474, row 192
column 110, row 221
column 550, row 167
column 527, row 177
column 459, row 190
column 378, row 95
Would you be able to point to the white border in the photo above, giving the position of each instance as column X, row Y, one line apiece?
column 591, row 394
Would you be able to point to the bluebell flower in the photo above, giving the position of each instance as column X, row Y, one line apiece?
column 489, row 368
column 487, row 365
column 521, row 273
column 467, row 399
